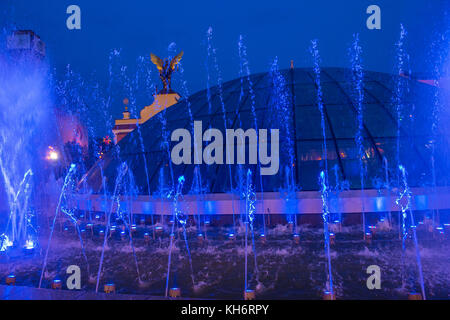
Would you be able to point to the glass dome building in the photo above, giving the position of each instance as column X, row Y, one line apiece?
column 287, row 100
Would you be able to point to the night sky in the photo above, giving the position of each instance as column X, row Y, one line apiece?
column 271, row 28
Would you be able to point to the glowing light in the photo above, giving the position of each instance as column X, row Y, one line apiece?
column 29, row 244
column 52, row 154
column 5, row 242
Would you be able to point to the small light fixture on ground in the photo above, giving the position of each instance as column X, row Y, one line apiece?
column 56, row 284
column 332, row 238
column 368, row 237
column 109, row 287
column 11, row 280
column 175, row 292
column 329, row 296
column 338, row 225
column 29, row 247
column 414, row 296
column 439, row 233
column 296, row 238
column 291, row 226
column 112, row 230
column 249, row 294
column 262, row 237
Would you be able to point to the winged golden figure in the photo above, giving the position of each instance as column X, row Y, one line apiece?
column 166, row 67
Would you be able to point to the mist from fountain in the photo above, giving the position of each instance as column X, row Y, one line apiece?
column 23, row 124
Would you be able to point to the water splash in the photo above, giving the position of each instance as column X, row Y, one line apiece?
column 358, row 97
column 324, row 189
column 132, row 100
column 401, row 88
column 404, row 201
column 288, row 192
column 177, row 216
column 212, row 53
column 23, row 124
column 282, row 114
column 67, row 181
column 314, row 49
column 245, row 67
column 250, row 209
column 121, row 171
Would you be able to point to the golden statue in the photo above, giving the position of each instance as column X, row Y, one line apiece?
column 166, row 68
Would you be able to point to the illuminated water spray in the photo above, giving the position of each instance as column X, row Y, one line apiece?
column 326, row 217
column 288, row 192
column 314, row 49
column 124, row 215
column 404, row 201
column 358, row 97
column 245, row 66
column 68, row 207
column 24, row 85
column 132, row 100
column 181, row 218
column 197, row 155
column 387, row 185
column 121, row 171
column 401, row 89
column 212, row 54
column 19, row 217
column 250, row 199
column 67, row 181
column 198, row 190
column 281, row 106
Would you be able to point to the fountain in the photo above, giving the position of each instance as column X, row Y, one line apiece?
column 357, row 80
column 404, row 201
column 329, row 293
column 245, row 66
column 250, row 199
column 113, row 208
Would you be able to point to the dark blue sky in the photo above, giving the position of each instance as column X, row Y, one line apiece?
column 271, row 28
